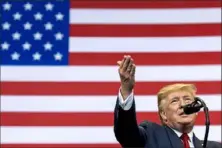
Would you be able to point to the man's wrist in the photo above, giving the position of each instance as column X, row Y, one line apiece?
column 125, row 92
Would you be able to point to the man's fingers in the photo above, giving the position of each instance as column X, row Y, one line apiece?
column 130, row 65
column 126, row 63
column 133, row 70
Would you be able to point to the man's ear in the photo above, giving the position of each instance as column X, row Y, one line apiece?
column 163, row 115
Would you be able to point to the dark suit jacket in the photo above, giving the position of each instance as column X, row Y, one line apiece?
column 148, row 134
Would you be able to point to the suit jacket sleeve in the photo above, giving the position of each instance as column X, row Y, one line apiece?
column 126, row 129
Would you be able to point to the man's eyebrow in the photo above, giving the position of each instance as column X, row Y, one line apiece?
column 176, row 97
column 186, row 96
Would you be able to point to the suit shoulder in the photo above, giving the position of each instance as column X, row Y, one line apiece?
column 149, row 124
column 213, row 144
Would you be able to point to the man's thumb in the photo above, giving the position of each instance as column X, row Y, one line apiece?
column 119, row 62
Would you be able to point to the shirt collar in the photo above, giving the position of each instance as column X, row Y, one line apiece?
column 190, row 134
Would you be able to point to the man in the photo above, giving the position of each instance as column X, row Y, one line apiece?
column 176, row 130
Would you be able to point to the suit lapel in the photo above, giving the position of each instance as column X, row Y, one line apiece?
column 177, row 143
column 174, row 139
column 197, row 142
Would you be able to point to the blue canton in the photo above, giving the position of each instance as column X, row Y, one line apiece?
column 34, row 32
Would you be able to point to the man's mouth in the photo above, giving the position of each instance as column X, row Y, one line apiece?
column 182, row 113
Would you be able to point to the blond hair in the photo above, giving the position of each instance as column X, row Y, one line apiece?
column 166, row 90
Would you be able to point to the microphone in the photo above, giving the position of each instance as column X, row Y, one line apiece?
column 193, row 107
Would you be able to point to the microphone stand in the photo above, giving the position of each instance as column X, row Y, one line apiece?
column 207, row 120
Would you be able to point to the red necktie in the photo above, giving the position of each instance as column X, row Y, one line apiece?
column 185, row 139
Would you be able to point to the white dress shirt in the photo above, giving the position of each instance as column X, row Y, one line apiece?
column 127, row 104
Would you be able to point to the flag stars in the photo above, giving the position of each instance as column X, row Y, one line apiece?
column 36, row 56
column 59, row 36
column 16, row 36
column 38, row 16
column 49, row 7
column 28, row 6
column 48, row 46
column 17, row 16
column 5, row 46
column 6, row 26
column 59, row 16
column 48, row 26
column 27, row 26
column 37, row 36
column 26, row 46
column 58, row 56
column 15, row 56
column 7, row 6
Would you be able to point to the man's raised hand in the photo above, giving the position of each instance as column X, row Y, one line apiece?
column 127, row 70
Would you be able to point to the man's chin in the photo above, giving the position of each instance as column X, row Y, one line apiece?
column 186, row 121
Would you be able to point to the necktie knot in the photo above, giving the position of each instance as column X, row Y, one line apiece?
column 185, row 136
column 185, row 139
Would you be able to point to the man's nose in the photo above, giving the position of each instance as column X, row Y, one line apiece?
column 182, row 102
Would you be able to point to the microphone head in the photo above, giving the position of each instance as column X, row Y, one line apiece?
column 192, row 108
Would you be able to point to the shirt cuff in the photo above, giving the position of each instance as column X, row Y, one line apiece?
column 125, row 104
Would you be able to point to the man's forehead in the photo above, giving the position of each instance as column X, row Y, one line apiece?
column 180, row 94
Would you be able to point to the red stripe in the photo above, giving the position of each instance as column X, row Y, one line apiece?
column 107, row 145
column 144, row 4
column 95, row 88
column 156, row 30
column 85, row 119
column 183, row 58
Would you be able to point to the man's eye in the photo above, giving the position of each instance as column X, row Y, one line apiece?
column 174, row 101
column 188, row 100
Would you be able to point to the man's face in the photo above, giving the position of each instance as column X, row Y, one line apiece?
column 173, row 111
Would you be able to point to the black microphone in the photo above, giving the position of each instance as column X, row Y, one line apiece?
column 195, row 107
column 192, row 108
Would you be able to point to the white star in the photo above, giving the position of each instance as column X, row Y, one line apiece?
column 7, row 6
column 37, row 36
column 59, row 16
column 48, row 26
column 28, row 6
column 48, row 46
column 6, row 26
column 15, row 56
column 49, row 7
column 38, row 16
column 5, row 46
column 36, row 56
column 26, row 46
column 58, row 56
column 59, row 36
column 27, row 26
column 16, row 36
column 17, row 16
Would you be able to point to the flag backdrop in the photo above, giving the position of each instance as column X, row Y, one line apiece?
column 59, row 78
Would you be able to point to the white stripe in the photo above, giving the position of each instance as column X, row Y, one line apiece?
column 144, row 44
column 71, row 135
column 109, row 73
column 145, row 16
column 86, row 103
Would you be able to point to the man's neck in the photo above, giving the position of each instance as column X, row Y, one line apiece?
column 182, row 128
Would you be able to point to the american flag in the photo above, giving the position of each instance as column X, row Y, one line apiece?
column 59, row 77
